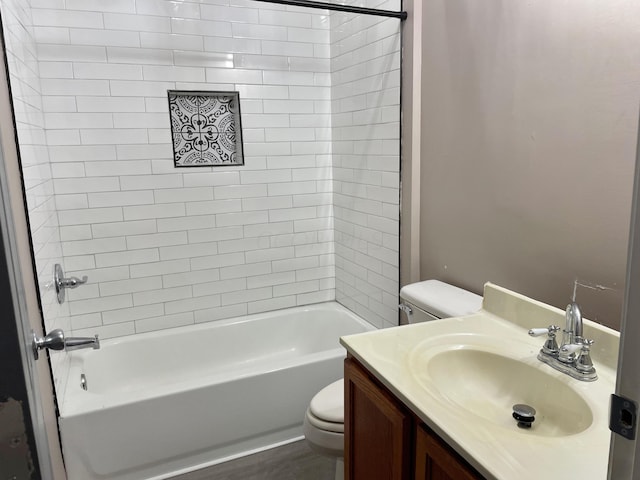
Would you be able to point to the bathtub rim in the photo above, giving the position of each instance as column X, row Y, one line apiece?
column 76, row 402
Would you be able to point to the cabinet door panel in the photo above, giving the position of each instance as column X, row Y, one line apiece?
column 435, row 460
column 378, row 430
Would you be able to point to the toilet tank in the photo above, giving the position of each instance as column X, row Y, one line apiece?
column 433, row 299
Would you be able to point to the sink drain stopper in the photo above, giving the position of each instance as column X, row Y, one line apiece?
column 524, row 414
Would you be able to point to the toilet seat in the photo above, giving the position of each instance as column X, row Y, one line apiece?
column 327, row 407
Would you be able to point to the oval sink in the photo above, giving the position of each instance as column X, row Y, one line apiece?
column 487, row 384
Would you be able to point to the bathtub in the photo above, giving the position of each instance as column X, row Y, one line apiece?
column 163, row 403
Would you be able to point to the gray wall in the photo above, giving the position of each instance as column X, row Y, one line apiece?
column 529, row 121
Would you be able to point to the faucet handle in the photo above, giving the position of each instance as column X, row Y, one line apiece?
column 583, row 362
column 550, row 330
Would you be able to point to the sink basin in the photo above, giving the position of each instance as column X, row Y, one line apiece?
column 488, row 384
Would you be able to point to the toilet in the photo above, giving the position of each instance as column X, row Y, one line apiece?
column 323, row 425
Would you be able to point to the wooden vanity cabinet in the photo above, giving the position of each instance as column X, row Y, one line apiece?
column 384, row 440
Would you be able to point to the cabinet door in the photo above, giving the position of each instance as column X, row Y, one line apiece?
column 377, row 430
column 436, row 461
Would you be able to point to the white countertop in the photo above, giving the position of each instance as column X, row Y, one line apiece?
column 497, row 450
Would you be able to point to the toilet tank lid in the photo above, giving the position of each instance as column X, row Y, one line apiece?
column 441, row 299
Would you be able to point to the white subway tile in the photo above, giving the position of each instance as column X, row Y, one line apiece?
column 246, row 296
column 268, row 254
column 163, row 322
column 59, row 104
column 113, row 136
column 154, row 211
column 100, row 245
column 126, row 167
column 123, row 228
column 270, row 279
column 97, row 275
column 288, row 106
column 260, row 32
column 186, row 223
column 71, row 202
column 228, row 45
column 66, row 170
column 82, row 262
column 145, row 152
column 211, row 179
column 291, row 188
column 66, row 18
column 137, row 23
column 217, row 287
column 239, row 191
column 271, row 304
column 220, row 313
column 175, row 74
column 78, row 232
column 204, row 59
column 136, row 182
column 110, row 104
column 268, row 229
column 265, row 176
column 262, row 203
column 161, row 296
column 139, row 56
column 215, row 234
column 293, row 19
column 171, row 41
column 244, row 218
column 113, row 199
column 189, row 251
column 86, row 321
column 293, row 288
column 134, row 313
column 235, row 75
column 86, row 216
column 168, row 8
column 315, row 273
column 54, row 86
column 129, row 286
column 140, row 120
column 200, row 27
column 241, row 271
column 159, row 268
column 100, row 304
column 316, row 297
column 293, row 49
column 190, row 278
column 214, row 206
column 108, row 331
column 157, row 240
column 229, row 14
column 192, row 304
column 86, row 36
column 126, row 258
column 243, row 245
column 55, row 69
column 216, row 261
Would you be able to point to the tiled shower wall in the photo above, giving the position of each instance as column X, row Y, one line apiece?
column 162, row 246
column 165, row 247
column 21, row 53
column 365, row 93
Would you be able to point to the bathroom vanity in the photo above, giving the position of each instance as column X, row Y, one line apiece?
column 384, row 439
column 434, row 400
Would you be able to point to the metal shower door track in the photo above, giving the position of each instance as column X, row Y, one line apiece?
column 339, row 8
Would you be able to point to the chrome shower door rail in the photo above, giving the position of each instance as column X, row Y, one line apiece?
column 339, row 8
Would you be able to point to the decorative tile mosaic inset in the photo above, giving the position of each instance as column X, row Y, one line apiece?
column 206, row 129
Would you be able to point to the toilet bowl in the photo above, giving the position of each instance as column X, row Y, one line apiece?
column 323, row 425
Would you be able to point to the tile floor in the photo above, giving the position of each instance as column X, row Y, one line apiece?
column 294, row 461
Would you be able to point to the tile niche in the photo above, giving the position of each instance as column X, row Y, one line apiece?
column 205, row 128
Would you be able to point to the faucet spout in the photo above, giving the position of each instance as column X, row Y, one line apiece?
column 574, row 321
column 75, row 343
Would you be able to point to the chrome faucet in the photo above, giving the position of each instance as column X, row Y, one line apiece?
column 573, row 357
column 56, row 340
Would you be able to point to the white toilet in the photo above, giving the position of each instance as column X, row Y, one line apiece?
column 423, row 301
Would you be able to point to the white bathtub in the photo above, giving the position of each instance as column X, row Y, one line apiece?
column 168, row 402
